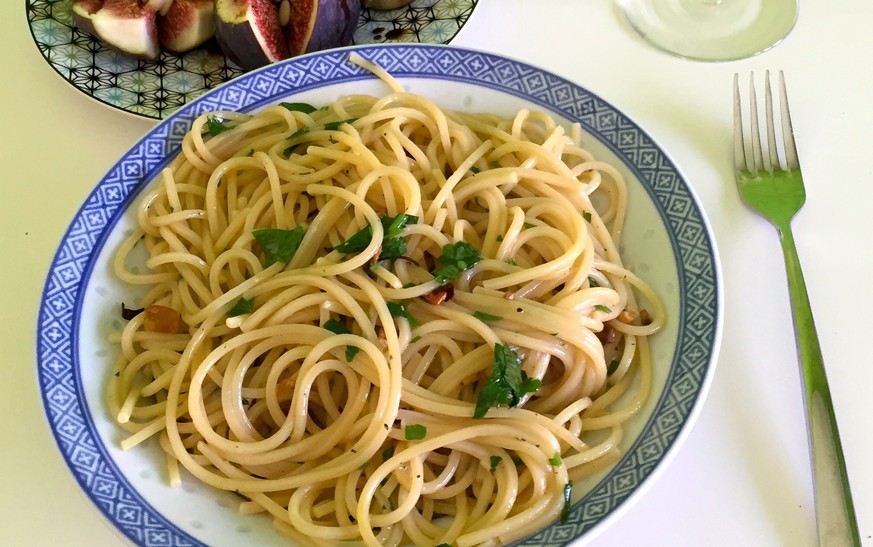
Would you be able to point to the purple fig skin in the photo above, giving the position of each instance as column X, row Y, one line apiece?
column 248, row 32
column 386, row 4
column 321, row 24
column 335, row 23
column 186, row 25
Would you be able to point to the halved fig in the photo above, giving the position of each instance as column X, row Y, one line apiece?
column 161, row 7
column 187, row 24
column 321, row 24
column 248, row 32
column 128, row 26
column 83, row 11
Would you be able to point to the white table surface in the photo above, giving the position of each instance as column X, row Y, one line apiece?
column 742, row 476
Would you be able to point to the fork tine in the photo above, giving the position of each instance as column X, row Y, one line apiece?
column 739, row 142
column 757, row 163
column 791, row 161
column 772, row 160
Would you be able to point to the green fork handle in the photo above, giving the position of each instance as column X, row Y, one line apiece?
column 833, row 500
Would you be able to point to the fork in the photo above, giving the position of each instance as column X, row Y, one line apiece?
column 777, row 193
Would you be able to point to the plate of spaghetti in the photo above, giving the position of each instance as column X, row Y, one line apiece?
column 382, row 295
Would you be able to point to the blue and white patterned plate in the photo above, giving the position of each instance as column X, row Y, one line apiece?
column 154, row 89
column 667, row 241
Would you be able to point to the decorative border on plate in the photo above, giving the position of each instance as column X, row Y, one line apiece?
column 57, row 358
column 154, row 89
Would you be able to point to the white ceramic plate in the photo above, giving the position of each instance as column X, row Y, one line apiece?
column 667, row 241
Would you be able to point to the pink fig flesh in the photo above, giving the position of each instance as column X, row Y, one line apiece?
column 248, row 32
column 83, row 12
column 186, row 25
column 127, row 26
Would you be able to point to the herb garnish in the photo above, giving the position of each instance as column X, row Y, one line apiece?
column 495, row 461
column 242, row 307
column 587, row 216
column 556, row 461
column 306, row 108
column 387, row 453
column 602, row 308
column 278, row 245
column 415, row 432
column 215, row 126
column 568, row 492
column 398, row 309
column 333, row 126
column 393, row 244
column 593, row 282
column 336, row 327
column 508, row 382
column 612, row 366
column 456, row 258
column 482, row 316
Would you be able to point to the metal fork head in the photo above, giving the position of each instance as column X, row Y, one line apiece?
column 753, row 159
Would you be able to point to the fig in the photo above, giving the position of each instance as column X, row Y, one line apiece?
column 321, row 24
column 128, row 26
column 248, row 32
column 386, row 4
column 186, row 24
column 83, row 12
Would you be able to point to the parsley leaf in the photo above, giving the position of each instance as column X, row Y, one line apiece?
column 456, row 258
column 388, row 453
column 306, row 108
column 415, row 432
column 556, row 461
column 398, row 309
column 215, row 126
column 593, row 282
column 242, row 307
column 587, row 216
column 393, row 244
column 495, row 461
column 336, row 327
column 507, row 384
column 568, row 492
column 612, row 366
column 602, row 308
column 333, row 126
column 278, row 245
column 482, row 316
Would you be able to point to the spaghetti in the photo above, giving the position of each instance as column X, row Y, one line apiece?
column 382, row 322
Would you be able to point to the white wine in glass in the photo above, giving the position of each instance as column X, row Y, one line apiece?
column 712, row 30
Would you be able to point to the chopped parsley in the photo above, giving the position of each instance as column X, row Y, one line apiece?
column 242, row 307
column 393, row 243
column 587, row 216
column 215, row 126
column 593, row 282
column 474, row 170
column 415, row 432
column 336, row 327
column 278, row 245
column 499, row 238
column 516, row 460
column 388, row 453
column 456, row 258
column 495, row 461
column 612, row 366
column 482, row 316
column 602, row 308
column 333, row 126
column 568, row 492
column 398, row 309
column 527, row 225
column 556, row 461
column 306, row 108
column 507, row 384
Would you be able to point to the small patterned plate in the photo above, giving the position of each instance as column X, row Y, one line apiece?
column 666, row 240
column 156, row 88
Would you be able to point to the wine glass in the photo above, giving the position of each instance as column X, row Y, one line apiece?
column 712, row 30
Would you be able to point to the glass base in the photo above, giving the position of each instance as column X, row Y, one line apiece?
column 712, row 30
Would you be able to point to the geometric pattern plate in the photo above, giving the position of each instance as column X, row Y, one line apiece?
column 156, row 88
column 697, row 319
